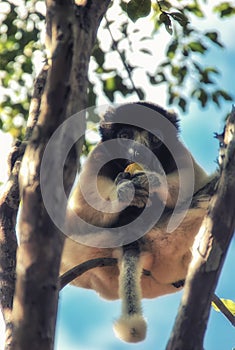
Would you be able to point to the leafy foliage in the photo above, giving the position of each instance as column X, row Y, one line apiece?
column 225, row 9
column 114, row 67
column 138, row 8
column 19, row 39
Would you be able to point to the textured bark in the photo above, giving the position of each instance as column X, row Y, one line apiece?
column 210, row 249
column 71, row 32
column 9, row 204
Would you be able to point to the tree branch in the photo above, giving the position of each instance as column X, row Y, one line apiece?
column 70, row 34
column 115, row 45
column 78, row 270
column 226, row 312
column 210, row 247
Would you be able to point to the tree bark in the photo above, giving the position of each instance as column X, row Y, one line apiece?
column 9, row 205
column 71, row 32
column 210, row 247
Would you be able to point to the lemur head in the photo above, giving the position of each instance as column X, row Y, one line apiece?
column 128, row 121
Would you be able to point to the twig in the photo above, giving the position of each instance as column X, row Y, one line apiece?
column 78, row 270
column 115, row 45
column 225, row 311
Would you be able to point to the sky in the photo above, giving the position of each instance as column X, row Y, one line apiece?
column 84, row 319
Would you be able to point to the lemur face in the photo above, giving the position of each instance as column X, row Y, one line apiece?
column 138, row 139
column 138, row 127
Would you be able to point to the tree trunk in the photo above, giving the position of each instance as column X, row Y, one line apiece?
column 71, row 32
column 209, row 252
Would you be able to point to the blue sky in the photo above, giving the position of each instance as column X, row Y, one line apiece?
column 85, row 320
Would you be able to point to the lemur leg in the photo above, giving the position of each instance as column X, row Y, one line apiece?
column 131, row 326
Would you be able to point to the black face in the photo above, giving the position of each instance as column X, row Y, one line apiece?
column 131, row 138
column 136, row 142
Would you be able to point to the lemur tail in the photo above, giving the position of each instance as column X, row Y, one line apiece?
column 131, row 326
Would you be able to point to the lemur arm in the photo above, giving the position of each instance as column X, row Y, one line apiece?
column 95, row 197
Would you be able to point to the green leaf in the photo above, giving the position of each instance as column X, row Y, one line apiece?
column 164, row 18
column 158, row 79
column 195, row 9
column 215, row 99
column 123, row 6
column 201, row 95
column 205, row 78
column 138, row 8
column 213, row 36
column 98, row 54
column 164, row 5
column 113, row 84
column 180, row 18
column 172, row 49
column 141, row 94
column 225, row 95
column 224, row 9
column 172, row 96
column 148, row 52
column 196, row 46
column 182, row 104
column 91, row 95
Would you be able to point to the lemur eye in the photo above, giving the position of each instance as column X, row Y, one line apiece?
column 125, row 134
column 157, row 138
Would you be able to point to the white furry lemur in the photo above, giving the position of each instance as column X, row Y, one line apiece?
column 156, row 263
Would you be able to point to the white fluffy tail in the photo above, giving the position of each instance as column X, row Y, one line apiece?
column 131, row 326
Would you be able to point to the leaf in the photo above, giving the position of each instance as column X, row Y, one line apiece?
column 201, row 95
column 141, row 93
column 213, row 36
column 225, row 95
column 158, row 79
column 164, row 5
column 196, row 46
column 180, row 18
column 98, row 54
column 164, row 18
column 91, row 95
column 195, row 9
column 230, row 305
column 224, row 9
column 172, row 49
column 182, row 104
column 138, row 8
column 148, row 52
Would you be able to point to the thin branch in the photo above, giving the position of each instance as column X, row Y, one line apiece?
column 226, row 312
column 209, row 251
column 115, row 45
column 78, row 270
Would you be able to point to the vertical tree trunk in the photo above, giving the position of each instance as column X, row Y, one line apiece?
column 71, row 32
column 209, row 251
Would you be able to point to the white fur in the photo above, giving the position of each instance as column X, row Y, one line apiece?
column 131, row 326
column 131, row 329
